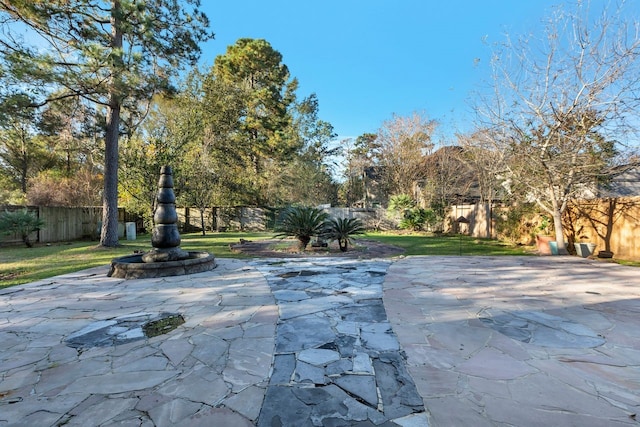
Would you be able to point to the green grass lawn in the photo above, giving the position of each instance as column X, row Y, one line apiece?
column 427, row 244
column 20, row 264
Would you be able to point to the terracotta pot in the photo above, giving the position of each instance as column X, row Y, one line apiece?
column 542, row 243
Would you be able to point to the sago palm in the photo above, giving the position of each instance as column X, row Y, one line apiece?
column 302, row 223
column 341, row 229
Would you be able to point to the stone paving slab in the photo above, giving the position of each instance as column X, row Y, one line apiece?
column 337, row 360
column 443, row 341
column 519, row 341
column 211, row 370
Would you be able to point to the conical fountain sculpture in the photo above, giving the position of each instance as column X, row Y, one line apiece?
column 166, row 258
column 165, row 238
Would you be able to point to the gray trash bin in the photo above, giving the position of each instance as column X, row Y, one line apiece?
column 131, row 230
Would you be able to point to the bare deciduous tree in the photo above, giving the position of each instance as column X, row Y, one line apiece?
column 484, row 162
column 404, row 141
column 447, row 179
column 563, row 105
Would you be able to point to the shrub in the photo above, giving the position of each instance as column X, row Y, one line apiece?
column 302, row 223
column 49, row 189
column 21, row 223
column 400, row 203
column 517, row 222
column 341, row 229
column 415, row 219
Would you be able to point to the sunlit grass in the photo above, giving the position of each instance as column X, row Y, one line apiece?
column 22, row 265
column 427, row 244
column 628, row 263
column 218, row 243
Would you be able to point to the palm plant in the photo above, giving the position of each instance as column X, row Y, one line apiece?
column 21, row 223
column 302, row 223
column 415, row 219
column 341, row 229
column 400, row 203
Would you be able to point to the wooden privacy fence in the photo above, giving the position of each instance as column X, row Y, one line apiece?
column 66, row 224
column 63, row 224
column 478, row 217
column 241, row 218
column 613, row 224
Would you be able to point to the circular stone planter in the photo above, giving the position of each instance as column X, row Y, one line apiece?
column 132, row 266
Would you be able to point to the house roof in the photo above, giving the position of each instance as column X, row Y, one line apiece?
column 626, row 184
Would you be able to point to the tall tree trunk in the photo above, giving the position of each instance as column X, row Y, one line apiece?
column 109, row 232
column 202, row 221
column 559, row 232
column 611, row 211
column 24, row 167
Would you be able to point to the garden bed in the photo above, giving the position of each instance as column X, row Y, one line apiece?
column 288, row 248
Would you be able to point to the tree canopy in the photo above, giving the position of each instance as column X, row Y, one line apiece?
column 114, row 55
column 283, row 157
column 565, row 105
column 403, row 142
column 256, row 68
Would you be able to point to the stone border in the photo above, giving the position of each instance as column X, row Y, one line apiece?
column 132, row 266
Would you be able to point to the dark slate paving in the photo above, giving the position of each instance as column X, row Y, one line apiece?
column 121, row 330
column 337, row 360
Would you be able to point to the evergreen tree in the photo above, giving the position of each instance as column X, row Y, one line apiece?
column 116, row 54
column 264, row 137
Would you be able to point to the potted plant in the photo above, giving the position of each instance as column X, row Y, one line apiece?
column 584, row 249
column 543, row 238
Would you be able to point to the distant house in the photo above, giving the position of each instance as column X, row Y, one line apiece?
column 626, row 184
column 447, row 179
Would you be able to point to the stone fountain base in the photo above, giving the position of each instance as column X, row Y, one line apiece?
column 133, row 267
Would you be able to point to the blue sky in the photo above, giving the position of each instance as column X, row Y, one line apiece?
column 369, row 59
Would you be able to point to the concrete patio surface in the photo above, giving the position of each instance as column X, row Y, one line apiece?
column 415, row 341
column 212, row 370
column 519, row 341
